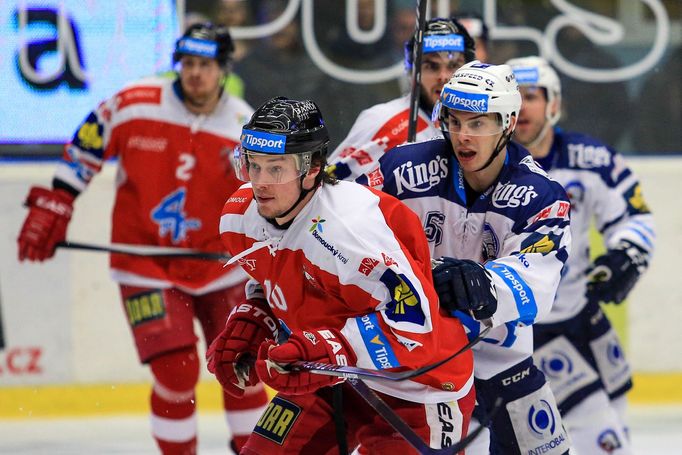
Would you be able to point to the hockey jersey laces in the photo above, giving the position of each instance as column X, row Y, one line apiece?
column 271, row 243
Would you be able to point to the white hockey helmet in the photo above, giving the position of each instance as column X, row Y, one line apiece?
column 480, row 87
column 535, row 71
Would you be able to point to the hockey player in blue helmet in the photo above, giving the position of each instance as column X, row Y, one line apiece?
column 500, row 228
column 575, row 345
column 446, row 47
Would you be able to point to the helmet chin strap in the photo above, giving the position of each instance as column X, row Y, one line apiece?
column 501, row 144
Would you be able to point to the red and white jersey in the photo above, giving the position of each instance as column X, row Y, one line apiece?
column 354, row 259
column 375, row 131
column 174, row 174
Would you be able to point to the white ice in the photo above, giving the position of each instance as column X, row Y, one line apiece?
column 655, row 430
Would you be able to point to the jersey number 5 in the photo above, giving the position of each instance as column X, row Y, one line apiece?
column 433, row 227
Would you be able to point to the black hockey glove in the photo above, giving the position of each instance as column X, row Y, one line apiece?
column 613, row 274
column 464, row 285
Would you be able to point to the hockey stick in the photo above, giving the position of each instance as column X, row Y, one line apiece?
column 146, row 250
column 416, row 70
column 356, row 372
column 405, row 430
column 2, row 331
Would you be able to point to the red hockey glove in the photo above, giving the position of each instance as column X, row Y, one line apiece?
column 45, row 225
column 232, row 354
column 325, row 345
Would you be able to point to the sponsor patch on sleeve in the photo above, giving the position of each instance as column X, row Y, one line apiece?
column 523, row 294
column 405, row 305
column 558, row 209
column 89, row 135
column 541, row 243
column 635, row 200
column 277, row 420
column 376, row 343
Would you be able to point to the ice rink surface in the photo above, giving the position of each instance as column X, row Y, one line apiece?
column 655, row 430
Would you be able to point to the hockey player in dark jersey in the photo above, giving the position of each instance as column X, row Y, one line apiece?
column 483, row 201
column 575, row 345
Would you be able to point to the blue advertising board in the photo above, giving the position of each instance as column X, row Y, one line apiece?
column 60, row 58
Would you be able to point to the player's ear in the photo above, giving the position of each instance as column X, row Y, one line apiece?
column 311, row 176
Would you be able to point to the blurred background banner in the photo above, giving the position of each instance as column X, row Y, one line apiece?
column 619, row 60
column 59, row 58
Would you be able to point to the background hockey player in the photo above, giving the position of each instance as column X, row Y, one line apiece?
column 446, row 47
column 172, row 138
column 576, row 345
column 483, row 201
column 346, row 270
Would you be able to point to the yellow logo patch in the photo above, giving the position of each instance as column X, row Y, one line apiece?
column 544, row 245
column 145, row 307
column 403, row 296
column 277, row 420
column 89, row 136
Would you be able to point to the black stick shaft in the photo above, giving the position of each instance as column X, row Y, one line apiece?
column 146, row 251
column 416, row 70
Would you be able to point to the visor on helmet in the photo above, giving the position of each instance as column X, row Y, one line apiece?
column 270, row 169
column 262, row 158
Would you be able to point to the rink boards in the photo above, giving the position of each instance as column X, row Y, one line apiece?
column 69, row 351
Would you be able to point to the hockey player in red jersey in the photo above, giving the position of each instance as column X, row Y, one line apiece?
column 171, row 138
column 344, row 271
column 447, row 46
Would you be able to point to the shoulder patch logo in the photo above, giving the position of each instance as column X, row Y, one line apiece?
column 405, row 305
column 635, row 200
column 540, row 243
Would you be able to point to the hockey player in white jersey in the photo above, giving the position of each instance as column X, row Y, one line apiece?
column 576, row 346
column 483, row 201
column 446, row 47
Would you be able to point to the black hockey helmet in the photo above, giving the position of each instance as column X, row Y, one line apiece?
column 443, row 34
column 205, row 40
column 283, row 126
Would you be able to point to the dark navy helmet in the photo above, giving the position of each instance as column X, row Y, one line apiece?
column 205, row 40
column 442, row 35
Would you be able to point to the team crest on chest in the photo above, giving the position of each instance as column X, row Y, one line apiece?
column 491, row 244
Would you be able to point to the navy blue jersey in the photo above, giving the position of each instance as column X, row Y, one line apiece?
column 518, row 228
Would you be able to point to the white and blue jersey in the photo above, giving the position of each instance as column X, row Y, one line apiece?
column 518, row 228
column 602, row 189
